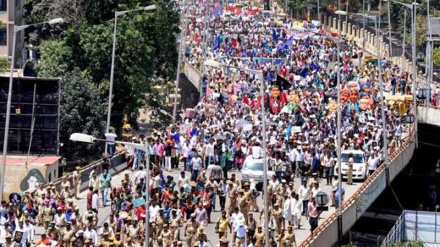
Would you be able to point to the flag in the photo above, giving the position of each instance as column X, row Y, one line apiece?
column 218, row 11
column 304, row 72
column 234, row 42
column 282, row 83
column 216, row 44
column 288, row 42
column 275, row 35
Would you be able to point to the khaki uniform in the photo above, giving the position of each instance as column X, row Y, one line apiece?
column 76, row 183
column 47, row 216
column 190, row 232
column 175, row 224
column 259, row 239
column 288, row 240
column 166, row 238
column 244, row 205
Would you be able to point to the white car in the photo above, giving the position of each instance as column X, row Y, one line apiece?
column 359, row 164
column 253, row 168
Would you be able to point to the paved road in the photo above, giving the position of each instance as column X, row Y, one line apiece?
column 301, row 234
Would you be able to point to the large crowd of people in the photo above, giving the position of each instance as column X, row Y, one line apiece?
column 211, row 146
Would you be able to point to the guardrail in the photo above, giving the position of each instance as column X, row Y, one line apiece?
column 327, row 232
column 415, row 226
column 118, row 166
column 193, row 74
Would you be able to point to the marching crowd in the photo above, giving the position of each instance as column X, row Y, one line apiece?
column 209, row 148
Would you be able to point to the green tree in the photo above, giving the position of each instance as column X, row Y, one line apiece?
column 436, row 56
column 56, row 57
column 4, row 64
column 81, row 111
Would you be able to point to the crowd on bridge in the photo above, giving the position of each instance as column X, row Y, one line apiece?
column 223, row 135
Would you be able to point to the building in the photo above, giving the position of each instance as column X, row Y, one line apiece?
column 10, row 15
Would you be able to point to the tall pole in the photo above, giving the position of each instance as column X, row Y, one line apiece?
column 319, row 12
column 265, row 178
column 414, row 74
column 182, row 43
column 429, row 47
column 338, row 130
column 389, row 32
column 404, row 34
column 363, row 24
column 8, row 115
column 112, row 74
column 382, row 104
column 147, row 200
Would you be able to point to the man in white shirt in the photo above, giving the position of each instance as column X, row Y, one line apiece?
column 315, row 189
column 183, row 180
column 90, row 233
column 29, row 230
column 154, row 211
column 209, row 153
column 236, row 218
column 240, row 233
column 95, row 201
column 373, row 162
column 196, row 164
column 304, row 195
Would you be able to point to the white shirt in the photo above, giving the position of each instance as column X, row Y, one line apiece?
column 196, row 162
column 209, row 149
column 304, row 192
column 95, row 201
column 110, row 138
column 30, row 232
column 154, row 211
column 182, row 181
column 236, row 218
column 240, row 232
column 91, row 234
column 287, row 212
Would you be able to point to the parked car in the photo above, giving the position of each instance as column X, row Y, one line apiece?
column 360, row 171
column 253, row 168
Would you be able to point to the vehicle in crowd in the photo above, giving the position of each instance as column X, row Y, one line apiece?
column 253, row 168
column 360, row 171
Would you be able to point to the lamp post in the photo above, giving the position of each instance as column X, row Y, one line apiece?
column 259, row 74
column 8, row 105
column 413, row 8
column 338, row 128
column 112, row 68
column 389, row 31
column 79, row 137
column 382, row 104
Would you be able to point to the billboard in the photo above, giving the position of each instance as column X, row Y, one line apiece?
column 35, row 112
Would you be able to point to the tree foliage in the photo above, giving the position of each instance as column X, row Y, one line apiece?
column 436, row 56
column 82, row 111
column 79, row 51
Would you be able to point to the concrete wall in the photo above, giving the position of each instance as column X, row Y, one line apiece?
column 428, row 115
column 357, row 34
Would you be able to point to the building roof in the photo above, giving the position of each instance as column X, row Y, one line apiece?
column 33, row 160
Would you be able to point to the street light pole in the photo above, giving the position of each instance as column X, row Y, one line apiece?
column 338, row 128
column 389, row 31
column 414, row 66
column 8, row 104
column 112, row 68
column 382, row 104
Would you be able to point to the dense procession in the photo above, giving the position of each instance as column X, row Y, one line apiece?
column 206, row 172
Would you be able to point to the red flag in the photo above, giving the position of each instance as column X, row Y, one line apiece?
column 234, row 42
